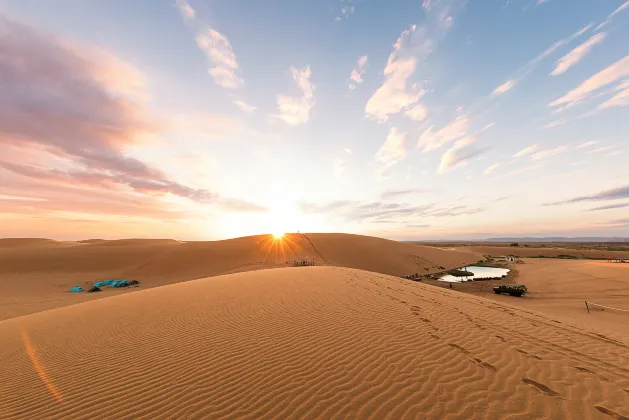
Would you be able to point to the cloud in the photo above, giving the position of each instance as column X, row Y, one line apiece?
column 418, row 112
column 505, row 87
column 613, row 194
column 556, row 123
column 587, row 144
column 526, row 151
column 459, row 155
column 609, row 75
column 399, row 193
column 577, row 54
column 544, row 154
column 348, row 151
column 610, row 206
column 356, row 78
column 412, row 47
column 78, row 108
column 241, row 206
column 492, row 168
column 620, row 99
column 392, row 151
column 599, row 150
column 379, row 212
column 187, row 12
column 295, row 111
column 347, row 9
column 219, row 51
column 245, row 106
column 532, row 64
column 431, row 140
column 611, row 16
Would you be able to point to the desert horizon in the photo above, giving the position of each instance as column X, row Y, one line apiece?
column 232, row 328
column 342, row 209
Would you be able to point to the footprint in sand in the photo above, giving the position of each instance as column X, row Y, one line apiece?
column 485, row 364
column 540, row 387
column 425, row 319
column 532, row 356
column 436, row 337
column 582, row 369
column 501, row 338
column 611, row 413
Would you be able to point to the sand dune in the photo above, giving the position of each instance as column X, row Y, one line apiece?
column 312, row 342
column 35, row 275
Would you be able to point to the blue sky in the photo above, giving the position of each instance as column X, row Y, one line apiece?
column 207, row 119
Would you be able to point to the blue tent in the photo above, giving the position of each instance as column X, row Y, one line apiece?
column 100, row 284
column 114, row 283
column 76, row 289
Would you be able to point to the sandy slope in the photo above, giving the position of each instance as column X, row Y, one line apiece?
column 35, row 274
column 560, row 288
column 312, row 342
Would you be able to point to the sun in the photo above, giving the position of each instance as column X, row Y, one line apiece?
column 278, row 235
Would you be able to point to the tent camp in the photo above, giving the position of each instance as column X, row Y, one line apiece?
column 76, row 289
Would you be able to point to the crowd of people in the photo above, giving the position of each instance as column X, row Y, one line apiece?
column 304, row 262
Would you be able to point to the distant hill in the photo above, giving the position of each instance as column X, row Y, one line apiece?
column 560, row 239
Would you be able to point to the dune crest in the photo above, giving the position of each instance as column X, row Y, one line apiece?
column 35, row 277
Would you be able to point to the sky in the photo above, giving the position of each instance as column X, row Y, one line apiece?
column 404, row 119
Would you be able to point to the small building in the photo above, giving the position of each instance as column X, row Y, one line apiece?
column 511, row 259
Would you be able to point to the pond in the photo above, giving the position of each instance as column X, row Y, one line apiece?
column 479, row 272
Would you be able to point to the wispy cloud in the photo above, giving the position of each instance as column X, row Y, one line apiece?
column 187, row 12
column 587, row 144
column 526, row 151
column 245, row 106
column 219, row 51
column 347, row 9
column 619, row 99
column 431, row 140
column 610, row 207
column 392, row 151
column 296, row 110
column 356, row 78
column 532, row 64
column 544, row 154
column 599, row 150
column 387, row 195
column 577, row 54
column 505, row 87
column 412, row 47
column 217, row 48
column 613, row 194
column 492, row 168
column 611, row 16
column 556, row 123
column 459, row 155
column 240, row 206
column 609, row 75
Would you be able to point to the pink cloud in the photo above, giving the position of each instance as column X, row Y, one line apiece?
column 79, row 105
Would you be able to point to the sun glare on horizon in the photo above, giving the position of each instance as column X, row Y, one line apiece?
column 278, row 235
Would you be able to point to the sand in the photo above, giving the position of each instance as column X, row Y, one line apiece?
column 311, row 342
column 536, row 251
column 36, row 274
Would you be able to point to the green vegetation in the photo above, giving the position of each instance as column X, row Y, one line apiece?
column 511, row 289
column 515, row 244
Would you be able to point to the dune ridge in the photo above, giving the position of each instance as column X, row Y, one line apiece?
column 36, row 275
column 313, row 342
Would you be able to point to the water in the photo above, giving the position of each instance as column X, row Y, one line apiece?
column 479, row 272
